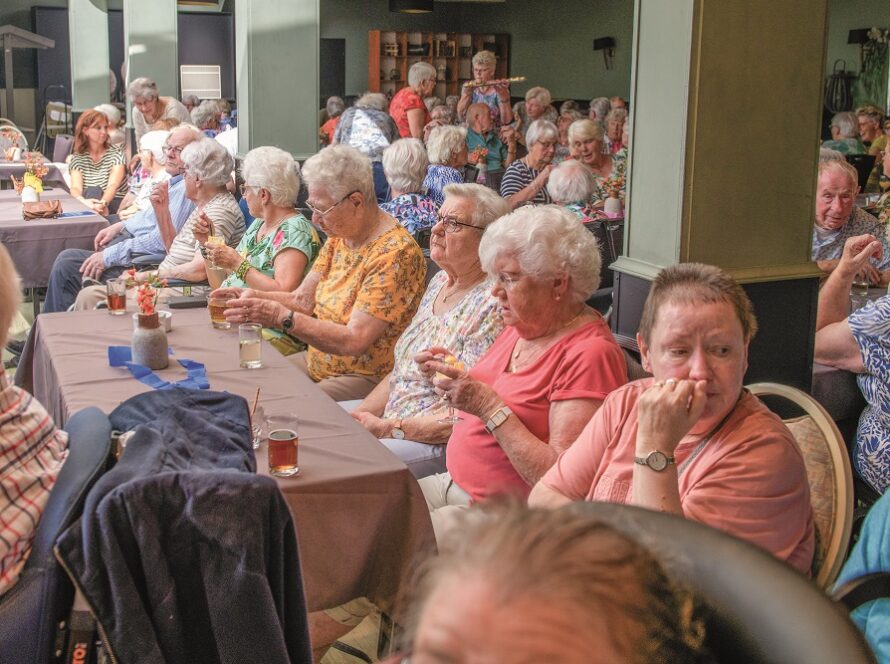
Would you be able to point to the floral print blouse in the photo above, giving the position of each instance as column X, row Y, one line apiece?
column 384, row 279
column 467, row 330
column 414, row 211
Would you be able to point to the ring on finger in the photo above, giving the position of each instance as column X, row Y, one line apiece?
column 670, row 381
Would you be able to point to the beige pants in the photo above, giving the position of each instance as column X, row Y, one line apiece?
column 339, row 388
column 445, row 500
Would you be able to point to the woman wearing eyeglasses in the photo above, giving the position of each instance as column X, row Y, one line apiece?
column 459, row 313
column 544, row 377
column 362, row 290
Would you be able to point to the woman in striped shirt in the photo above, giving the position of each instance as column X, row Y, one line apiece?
column 98, row 174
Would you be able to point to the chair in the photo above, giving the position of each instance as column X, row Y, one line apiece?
column 829, row 476
column 62, row 147
column 11, row 136
column 863, row 163
column 32, row 610
column 493, row 178
column 760, row 610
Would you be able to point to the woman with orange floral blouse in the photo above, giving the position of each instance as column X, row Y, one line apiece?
column 363, row 289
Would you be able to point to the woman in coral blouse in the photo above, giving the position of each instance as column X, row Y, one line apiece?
column 407, row 107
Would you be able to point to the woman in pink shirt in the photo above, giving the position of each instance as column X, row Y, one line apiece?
column 531, row 394
column 691, row 440
column 407, row 107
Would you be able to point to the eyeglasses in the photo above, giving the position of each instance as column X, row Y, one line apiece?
column 244, row 187
column 507, row 281
column 175, row 149
column 452, row 225
column 321, row 213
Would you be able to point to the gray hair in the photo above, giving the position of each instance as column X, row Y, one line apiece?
column 488, row 206
column 451, row 101
column 600, row 107
column 443, row 113
column 10, row 292
column 846, row 124
column 274, row 170
column 335, row 107
column 405, row 163
column 111, row 112
column 420, row 72
column 617, row 115
column 539, row 94
column 545, row 240
column 375, row 100
column 194, row 100
column 445, row 142
column 209, row 161
column 827, row 154
column 570, row 182
column 485, row 59
column 431, row 103
column 541, row 130
column 569, row 105
column 339, row 170
column 584, row 130
column 203, row 113
column 153, row 141
column 142, row 88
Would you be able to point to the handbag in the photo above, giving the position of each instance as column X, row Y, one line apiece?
column 41, row 210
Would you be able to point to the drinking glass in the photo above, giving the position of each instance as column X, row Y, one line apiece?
column 217, row 308
column 258, row 429
column 283, row 444
column 858, row 292
column 116, row 296
column 451, row 360
column 250, row 346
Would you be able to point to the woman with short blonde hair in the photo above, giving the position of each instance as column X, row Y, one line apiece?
column 586, row 139
column 495, row 97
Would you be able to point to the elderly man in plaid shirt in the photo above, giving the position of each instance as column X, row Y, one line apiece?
column 32, row 451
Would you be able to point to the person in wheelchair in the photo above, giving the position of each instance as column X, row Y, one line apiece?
column 32, row 450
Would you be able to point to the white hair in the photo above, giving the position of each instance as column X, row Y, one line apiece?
column 111, row 112
column 539, row 94
column 846, row 124
column 209, row 161
column 445, row 142
column 334, row 107
column 541, row 130
column 153, row 141
column 600, row 107
column 405, row 163
column 584, row 130
column 274, row 170
column 488, row 206
column 375, row 100
column 420, row 72
column 431, row 103
column 10, row 292
column 339, row 170
column 827, row 154
column 485, row 59
column 190, row 99
column 204, row 112
column 570, row 182
column 617, row 115
column 546, row 240
column 143, row 88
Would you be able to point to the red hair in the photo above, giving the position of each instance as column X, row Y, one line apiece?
column 85, row 121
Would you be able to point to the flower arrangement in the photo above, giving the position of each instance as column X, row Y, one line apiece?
column 879, row 35
column 614, row 185
column 35, row 170
column 147, row 293
column 479, row 154
column 873, row 66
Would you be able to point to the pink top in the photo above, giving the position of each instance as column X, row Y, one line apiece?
column 403, row 101
column 748, row 480
column 585, row 364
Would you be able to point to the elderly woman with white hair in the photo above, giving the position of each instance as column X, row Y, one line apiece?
column 405, row 165
column 447, row 151
column 569, row 186
column 149, row 107
column 599, row 109
column 205, row 116
column 532, row 393
column 458, row 312
column 495, row 97
column 845, row 135
column 407, row 107
column 368, row 128
column 150, row 173
column 586, row 139
column 525, row 179
column 537, row 106
column 615, row 129
column 362, row 290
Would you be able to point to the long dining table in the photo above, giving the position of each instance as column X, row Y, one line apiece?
column 35, row 244
column 360, row 516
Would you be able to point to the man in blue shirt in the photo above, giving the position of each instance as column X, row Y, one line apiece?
column 480, row 135
column 148, row 232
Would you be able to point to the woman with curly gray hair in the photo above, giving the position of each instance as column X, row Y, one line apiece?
column 447, row 151
column 532, row 393
column 150, row 107
column 525, row 179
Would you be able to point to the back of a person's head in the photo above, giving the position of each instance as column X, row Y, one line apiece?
column 560, row 569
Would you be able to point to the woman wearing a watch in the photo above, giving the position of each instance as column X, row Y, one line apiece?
column 691, row 440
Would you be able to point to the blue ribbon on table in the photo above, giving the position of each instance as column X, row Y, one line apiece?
column 122, row 356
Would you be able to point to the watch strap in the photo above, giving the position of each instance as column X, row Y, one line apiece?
column 497, row 418
column 656, row 460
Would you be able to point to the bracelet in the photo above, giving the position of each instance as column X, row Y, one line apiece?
column 242, row 269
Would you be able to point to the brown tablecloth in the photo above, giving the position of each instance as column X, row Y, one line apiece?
column 360, row 516
column 35, row 244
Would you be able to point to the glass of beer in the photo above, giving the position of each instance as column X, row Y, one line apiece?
column 283, row 444
column 250, row 345
column 116, row 295
column 217, row 308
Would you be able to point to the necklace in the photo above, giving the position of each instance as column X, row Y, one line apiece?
column 458, row 291
column 517, row 351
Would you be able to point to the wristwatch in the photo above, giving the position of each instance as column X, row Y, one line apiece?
column 655, row 460
column 497, row 418
column 288, row 322
column 397, row 432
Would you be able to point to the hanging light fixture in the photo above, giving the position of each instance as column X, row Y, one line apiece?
column 411, row 6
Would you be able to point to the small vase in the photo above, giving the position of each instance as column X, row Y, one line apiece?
column 149, row 346
column 480, row 176
column 30, row 195
column 613, row 205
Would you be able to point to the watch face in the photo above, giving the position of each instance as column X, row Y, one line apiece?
column 656, row 460
column 398, row 434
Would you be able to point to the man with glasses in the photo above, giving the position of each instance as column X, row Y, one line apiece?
column 150, row 232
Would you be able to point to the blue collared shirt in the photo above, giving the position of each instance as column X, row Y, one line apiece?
column 143, row 226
